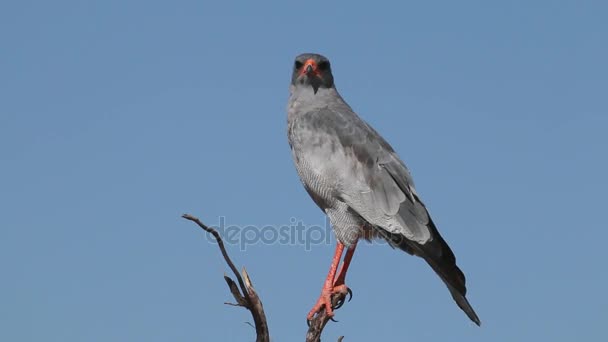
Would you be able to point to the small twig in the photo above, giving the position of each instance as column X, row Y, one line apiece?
column 232, row 304
column 247, row 296
column 240, row 301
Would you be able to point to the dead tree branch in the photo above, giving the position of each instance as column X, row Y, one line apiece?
column 245, row 295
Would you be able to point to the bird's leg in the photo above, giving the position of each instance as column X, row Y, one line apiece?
column 328, row 286
column 347, row 258
column 340, row 282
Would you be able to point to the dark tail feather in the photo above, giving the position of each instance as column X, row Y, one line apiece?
column 454, row 279
column 439, row 256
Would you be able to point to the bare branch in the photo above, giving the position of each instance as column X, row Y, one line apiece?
column 247, row 297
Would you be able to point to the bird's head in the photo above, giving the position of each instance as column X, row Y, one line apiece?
column 312, row 70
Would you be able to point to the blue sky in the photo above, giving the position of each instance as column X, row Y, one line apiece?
column 118, row 116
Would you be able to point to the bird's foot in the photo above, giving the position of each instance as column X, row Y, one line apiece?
column 325, row 301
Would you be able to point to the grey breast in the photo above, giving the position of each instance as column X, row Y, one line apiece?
column 320, row 158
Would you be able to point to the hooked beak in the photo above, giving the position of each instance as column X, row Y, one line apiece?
column 312, row 74
column 310, row 68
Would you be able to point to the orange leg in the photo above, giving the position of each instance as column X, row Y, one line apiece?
column 328, row 286
column 344, row 268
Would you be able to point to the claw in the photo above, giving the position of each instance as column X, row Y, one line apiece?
column 339, row 304
column 333, row 320
column 325, row 301
column 308, row 322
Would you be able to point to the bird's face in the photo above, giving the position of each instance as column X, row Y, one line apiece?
column 312, row 70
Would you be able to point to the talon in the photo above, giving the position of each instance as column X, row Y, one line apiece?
column 343, row 300
column 339, row 304
column 324, row 303
column 308, row 322
column 333, row 320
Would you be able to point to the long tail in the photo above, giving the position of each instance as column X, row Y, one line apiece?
column 439, row 256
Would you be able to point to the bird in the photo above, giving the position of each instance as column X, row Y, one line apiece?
column 358, row 180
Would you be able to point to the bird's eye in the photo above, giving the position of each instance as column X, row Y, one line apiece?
column 324, row 65
column 298, row 65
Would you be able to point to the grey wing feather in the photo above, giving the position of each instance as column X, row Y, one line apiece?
column 378, row 186
column 383, row 203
